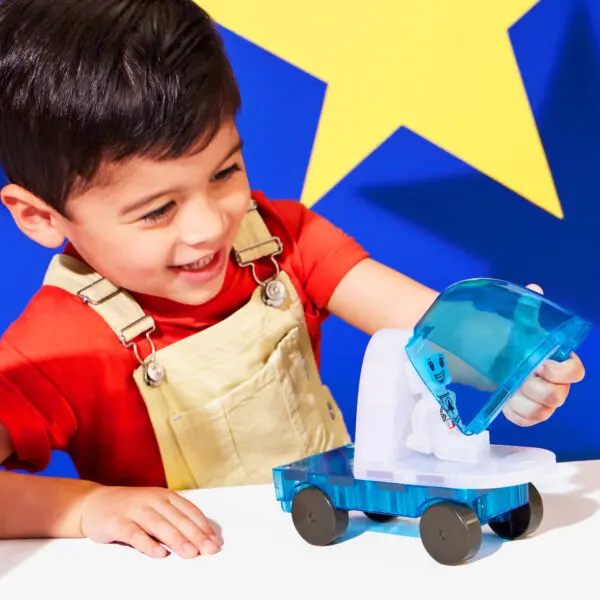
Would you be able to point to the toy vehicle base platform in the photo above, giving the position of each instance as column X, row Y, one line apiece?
column 320, row 490
column 504, row 466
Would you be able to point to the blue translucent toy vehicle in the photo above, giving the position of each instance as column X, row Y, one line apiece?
column 422, row 449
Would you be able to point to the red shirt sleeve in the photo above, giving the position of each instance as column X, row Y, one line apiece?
column 36, row 415
column 326, row 253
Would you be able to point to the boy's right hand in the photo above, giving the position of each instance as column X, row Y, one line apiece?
column 147, row 518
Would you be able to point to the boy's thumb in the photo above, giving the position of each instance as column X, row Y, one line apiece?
column 536, row 288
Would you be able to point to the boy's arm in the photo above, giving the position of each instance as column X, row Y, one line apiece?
column 148, row 519
column 372, row 296
column 38, row 507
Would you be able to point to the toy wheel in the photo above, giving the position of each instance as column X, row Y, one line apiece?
column 379, row 517
column 316, row 519
column 522, row 521
column 451, row 533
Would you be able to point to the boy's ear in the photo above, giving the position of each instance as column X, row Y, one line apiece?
column 36, row 219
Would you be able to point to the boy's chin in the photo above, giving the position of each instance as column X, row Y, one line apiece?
column 200, row 296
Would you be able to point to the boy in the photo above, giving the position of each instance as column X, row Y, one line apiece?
column 175, row 342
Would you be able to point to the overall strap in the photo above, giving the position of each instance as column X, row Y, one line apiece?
column 117, row 307
column 254, row 241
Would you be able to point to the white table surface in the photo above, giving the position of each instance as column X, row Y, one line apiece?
column 264, row 557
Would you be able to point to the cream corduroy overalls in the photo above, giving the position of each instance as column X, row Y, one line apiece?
column 229, row 403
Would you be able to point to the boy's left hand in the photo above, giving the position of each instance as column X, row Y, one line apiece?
column 545, row 390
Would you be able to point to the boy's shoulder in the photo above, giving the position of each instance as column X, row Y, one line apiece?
column 314, row 248
column 297, row 223
column 281, row 215
column 56, row 324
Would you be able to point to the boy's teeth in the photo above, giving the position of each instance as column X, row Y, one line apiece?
column 199, row 264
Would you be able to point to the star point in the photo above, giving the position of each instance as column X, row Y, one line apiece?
column 446, row 71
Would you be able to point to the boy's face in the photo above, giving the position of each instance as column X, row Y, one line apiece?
column 164, row 228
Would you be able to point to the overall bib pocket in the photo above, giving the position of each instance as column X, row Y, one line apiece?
column 263, row 422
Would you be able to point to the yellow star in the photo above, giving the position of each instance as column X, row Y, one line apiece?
column 445, row 70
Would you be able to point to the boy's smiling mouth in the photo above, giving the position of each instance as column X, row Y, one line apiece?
column 199, row 264
column 204, row 269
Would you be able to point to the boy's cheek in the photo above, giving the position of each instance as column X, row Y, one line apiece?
column 242, row 204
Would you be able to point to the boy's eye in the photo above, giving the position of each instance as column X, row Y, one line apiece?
column 159, row 213
column 225, row 173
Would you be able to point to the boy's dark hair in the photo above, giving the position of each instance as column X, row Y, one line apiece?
column 88, row 81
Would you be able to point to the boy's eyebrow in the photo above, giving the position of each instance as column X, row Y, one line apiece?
column 147, row 199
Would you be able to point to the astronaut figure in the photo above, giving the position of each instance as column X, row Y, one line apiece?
column 433, row 429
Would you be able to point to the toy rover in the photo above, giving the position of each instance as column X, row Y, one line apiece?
column 425, row 401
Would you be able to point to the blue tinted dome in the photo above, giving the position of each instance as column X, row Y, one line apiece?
column 481, row 339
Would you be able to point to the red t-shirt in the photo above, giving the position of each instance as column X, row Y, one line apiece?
column 66, row 381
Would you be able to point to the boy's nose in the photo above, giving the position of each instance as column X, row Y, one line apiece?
column 202, row 224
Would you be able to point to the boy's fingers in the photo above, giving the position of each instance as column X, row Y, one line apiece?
column 525, row 412
column 168, row 533
column 540, row 391
column 196, row 534
column 569, row 371
column 516, row 418
column 132, row 534
column 536, row 288
column 196, row 515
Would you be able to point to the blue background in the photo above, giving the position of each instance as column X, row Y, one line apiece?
column 427, row 214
